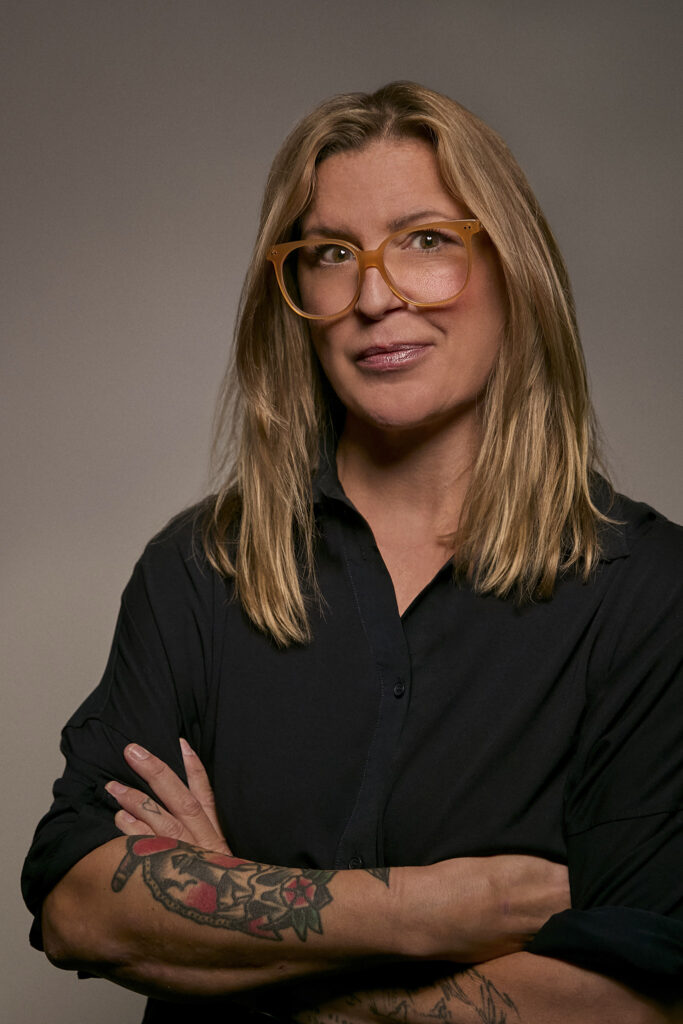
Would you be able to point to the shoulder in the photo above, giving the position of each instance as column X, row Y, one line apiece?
column 180, row 537
column 641, row 595
column 174, row 563
column 649, row 543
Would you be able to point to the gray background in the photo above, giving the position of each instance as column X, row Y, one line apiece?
column 136, row 136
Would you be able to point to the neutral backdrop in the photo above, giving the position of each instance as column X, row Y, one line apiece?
column 136, row 137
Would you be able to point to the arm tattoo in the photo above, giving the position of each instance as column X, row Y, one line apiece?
column 380, row 873
column 487, row 1001
column 228, row 892
column 443, row 998
column 471, row 988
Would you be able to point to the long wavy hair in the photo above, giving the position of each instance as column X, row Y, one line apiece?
column 528, row 513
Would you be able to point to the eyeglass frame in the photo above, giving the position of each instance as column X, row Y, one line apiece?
column 366, row 258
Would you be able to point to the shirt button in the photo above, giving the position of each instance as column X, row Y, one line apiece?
column 355, row 862
column 399, row 688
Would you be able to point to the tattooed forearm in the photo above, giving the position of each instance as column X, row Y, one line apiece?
column 477, row 991
column 229, row 892
column 469, row 988
column 466, row 997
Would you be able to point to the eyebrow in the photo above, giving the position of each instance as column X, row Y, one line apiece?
column 419, row 217
column 415, row 217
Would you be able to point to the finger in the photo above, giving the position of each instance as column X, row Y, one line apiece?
column 137, row 805
column 198, row 782
column 186, row 816
column 130, row 825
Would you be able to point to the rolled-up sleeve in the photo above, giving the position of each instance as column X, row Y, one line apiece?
column 624, row 797
column 151, row 692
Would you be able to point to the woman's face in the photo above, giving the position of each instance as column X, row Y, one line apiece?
column 392, row 365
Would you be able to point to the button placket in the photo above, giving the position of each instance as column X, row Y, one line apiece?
column 361, row 841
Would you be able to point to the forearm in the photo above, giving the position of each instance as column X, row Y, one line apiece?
column 516, row 989
column 184, row 921
column 166, row 917
column 169, row 918
column 173, row 917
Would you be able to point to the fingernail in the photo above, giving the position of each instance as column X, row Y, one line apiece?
column 125, row 816
column 116, row 788
column 135, row 751
column 186, row 748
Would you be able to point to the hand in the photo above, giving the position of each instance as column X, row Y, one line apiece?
column 187, row 813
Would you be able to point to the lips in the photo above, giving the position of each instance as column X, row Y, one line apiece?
column 394, row 356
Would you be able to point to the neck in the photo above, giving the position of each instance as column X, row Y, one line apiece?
column 421, row 475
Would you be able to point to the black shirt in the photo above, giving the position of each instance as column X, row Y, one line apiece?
column 468, row 726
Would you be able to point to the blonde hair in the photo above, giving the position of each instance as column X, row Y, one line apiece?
column 528, row 513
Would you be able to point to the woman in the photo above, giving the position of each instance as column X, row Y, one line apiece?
column 450, row 646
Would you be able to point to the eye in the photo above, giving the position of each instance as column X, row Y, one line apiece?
column 427, row 241
column 330, row 254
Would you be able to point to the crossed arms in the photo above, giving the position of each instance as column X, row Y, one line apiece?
column 166, row 909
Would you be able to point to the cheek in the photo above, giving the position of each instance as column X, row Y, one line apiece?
column 487, row 309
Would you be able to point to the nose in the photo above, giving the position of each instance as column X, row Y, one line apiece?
column 376, row 297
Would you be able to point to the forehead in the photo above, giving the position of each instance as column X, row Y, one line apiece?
column 371, row 187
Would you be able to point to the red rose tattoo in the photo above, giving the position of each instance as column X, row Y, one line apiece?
column 227, row 892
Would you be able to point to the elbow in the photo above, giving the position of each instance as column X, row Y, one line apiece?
column 71, row 939
column 79, row 935
column 59, row 926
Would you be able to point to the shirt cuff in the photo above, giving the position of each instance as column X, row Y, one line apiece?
column 637, row 947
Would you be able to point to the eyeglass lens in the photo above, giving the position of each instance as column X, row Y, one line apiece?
column 423, row 266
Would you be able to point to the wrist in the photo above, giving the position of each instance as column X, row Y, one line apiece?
column 453, row 910
column 422, row 897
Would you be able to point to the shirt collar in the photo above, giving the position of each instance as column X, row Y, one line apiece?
column 326, row 482
column 627, row 519
column 614, row 536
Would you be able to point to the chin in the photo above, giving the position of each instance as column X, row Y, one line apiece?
column 391, row 419
column 403, row 420
column 406, row 419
